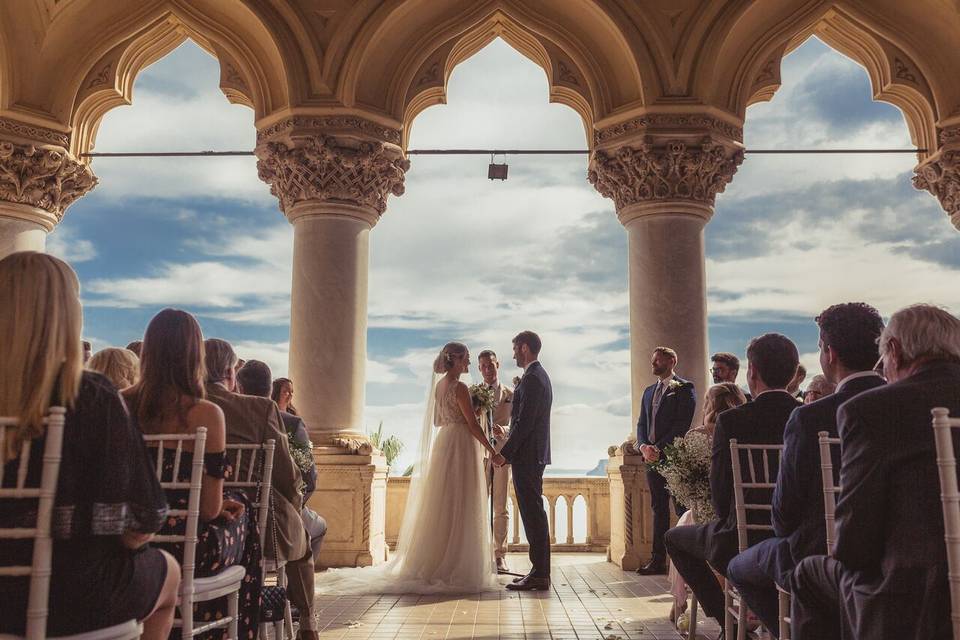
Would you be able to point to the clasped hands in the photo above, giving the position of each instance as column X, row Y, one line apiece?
column 498, row 460
column 649, row 452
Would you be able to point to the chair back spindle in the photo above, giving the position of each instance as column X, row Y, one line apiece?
column 831, row 488
column 943, row 426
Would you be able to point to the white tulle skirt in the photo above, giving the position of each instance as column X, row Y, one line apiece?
column 445, row 542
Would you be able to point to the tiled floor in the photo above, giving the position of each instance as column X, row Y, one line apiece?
column 590, row 598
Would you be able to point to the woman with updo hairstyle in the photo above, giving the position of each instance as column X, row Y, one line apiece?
column 120, row 366
column 445, row 360
column 108, row 502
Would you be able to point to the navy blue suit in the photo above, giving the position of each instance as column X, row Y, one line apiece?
column 674, row 415
column 528, row 451
column 798, row 523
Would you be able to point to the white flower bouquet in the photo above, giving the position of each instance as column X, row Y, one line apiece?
column 686, row 467
column 302, row 454
column 482, row 397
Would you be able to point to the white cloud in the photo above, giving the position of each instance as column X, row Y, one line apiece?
column 66, row 245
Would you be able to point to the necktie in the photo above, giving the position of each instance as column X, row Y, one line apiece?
column 657, row 394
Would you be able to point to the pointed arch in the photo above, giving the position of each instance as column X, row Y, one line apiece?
column 590, row 66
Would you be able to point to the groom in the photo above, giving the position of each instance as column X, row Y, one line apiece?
column 528, row 450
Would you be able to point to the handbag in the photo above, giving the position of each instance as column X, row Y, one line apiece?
column 273, row 598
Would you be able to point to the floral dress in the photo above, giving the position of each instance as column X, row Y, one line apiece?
column 220, row 543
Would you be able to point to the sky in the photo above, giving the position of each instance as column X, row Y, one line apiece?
column 459, row 257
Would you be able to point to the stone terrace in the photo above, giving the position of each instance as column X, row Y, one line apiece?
column 590, row 598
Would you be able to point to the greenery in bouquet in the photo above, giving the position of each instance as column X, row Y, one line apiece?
column 482, row 397
column 685, row 466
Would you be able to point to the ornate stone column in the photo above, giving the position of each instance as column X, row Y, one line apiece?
column 663, row 172
column 332, row 176
column 940, row 174
column 39, row 179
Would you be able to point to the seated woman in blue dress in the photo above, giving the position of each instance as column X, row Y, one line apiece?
column 108, row 501
column 169, row 398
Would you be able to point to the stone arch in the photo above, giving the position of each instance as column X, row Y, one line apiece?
column 758, row 46
column 119, row 46
column 590, row 65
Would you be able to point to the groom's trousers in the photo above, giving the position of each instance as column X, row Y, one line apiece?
column 528, row 484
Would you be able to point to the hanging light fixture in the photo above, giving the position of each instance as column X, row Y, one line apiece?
column 497, row 171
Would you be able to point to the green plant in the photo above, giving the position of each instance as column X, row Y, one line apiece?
column 390, row 446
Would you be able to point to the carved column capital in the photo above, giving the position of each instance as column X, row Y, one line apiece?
column 307, row 159
column 667, row 171
column 42, row 176
column 940, row 175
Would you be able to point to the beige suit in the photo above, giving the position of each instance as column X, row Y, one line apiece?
column 501, row 475
column 254, row 420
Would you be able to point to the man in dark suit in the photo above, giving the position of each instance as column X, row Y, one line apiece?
column 771, row 364
column 848, row 353
column 254, row 378
column 254, row 420
column 528, row 451
column 887, row 578
column 666, row 412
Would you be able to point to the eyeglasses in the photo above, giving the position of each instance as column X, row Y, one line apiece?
column 878, row 368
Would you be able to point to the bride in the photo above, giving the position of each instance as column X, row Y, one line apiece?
column 444, row 544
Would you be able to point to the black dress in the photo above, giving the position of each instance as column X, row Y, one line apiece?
column 106, row 486
column 220, row 543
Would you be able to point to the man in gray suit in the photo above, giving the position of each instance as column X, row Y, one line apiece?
column 254, row 420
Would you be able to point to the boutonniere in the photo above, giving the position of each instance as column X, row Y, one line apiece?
column 673, row 385
column 516, row 381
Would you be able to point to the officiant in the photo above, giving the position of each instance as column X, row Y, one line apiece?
column 500, row 482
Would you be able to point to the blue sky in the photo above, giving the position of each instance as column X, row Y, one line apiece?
column 461, row 257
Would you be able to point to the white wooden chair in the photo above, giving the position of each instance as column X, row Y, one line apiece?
column 830, row 490
column 40, row 568
column 192, row 589
column 764, row 478
column 943, row 426
column 255, row 479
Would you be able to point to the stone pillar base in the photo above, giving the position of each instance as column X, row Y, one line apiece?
column 631, row 519
column 352, row 496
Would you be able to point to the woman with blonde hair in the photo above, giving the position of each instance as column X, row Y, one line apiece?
column 108, row 502
column 120, row 366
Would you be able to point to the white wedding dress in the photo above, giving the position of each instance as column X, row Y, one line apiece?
column 444, row 544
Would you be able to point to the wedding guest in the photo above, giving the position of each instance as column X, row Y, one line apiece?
column 718, row 399
column 499, row 477
column 771, row 364
column 848, row 352
column 169, row 398
column 819, row 387
column 665, row 414
column 725, row 367
column 108, row 502
column 254, row 379
column 887, row 578
column 282, row 394
column 120, row 366
column 135, row 347
column 87, row 351
column 794, row 387
column 254, row 420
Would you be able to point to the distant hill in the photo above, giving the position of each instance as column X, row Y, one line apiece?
column 600, row 469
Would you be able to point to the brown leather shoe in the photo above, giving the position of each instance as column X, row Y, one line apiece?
column 530, row 584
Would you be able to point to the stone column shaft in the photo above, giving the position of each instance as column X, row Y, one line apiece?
column 332, row 176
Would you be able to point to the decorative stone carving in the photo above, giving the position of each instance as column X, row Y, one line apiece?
column 322, row 168
column 646, row 122
column 18, row 129
column 941, row 176
column 674, row 171
column 329, row 123
column 101, row 78
column 44, row 177
column 354, row 445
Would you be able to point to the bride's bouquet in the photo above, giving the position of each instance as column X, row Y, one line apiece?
column 482, row 397
column 686, row 467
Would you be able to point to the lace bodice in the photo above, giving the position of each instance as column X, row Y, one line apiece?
column 448, row 412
